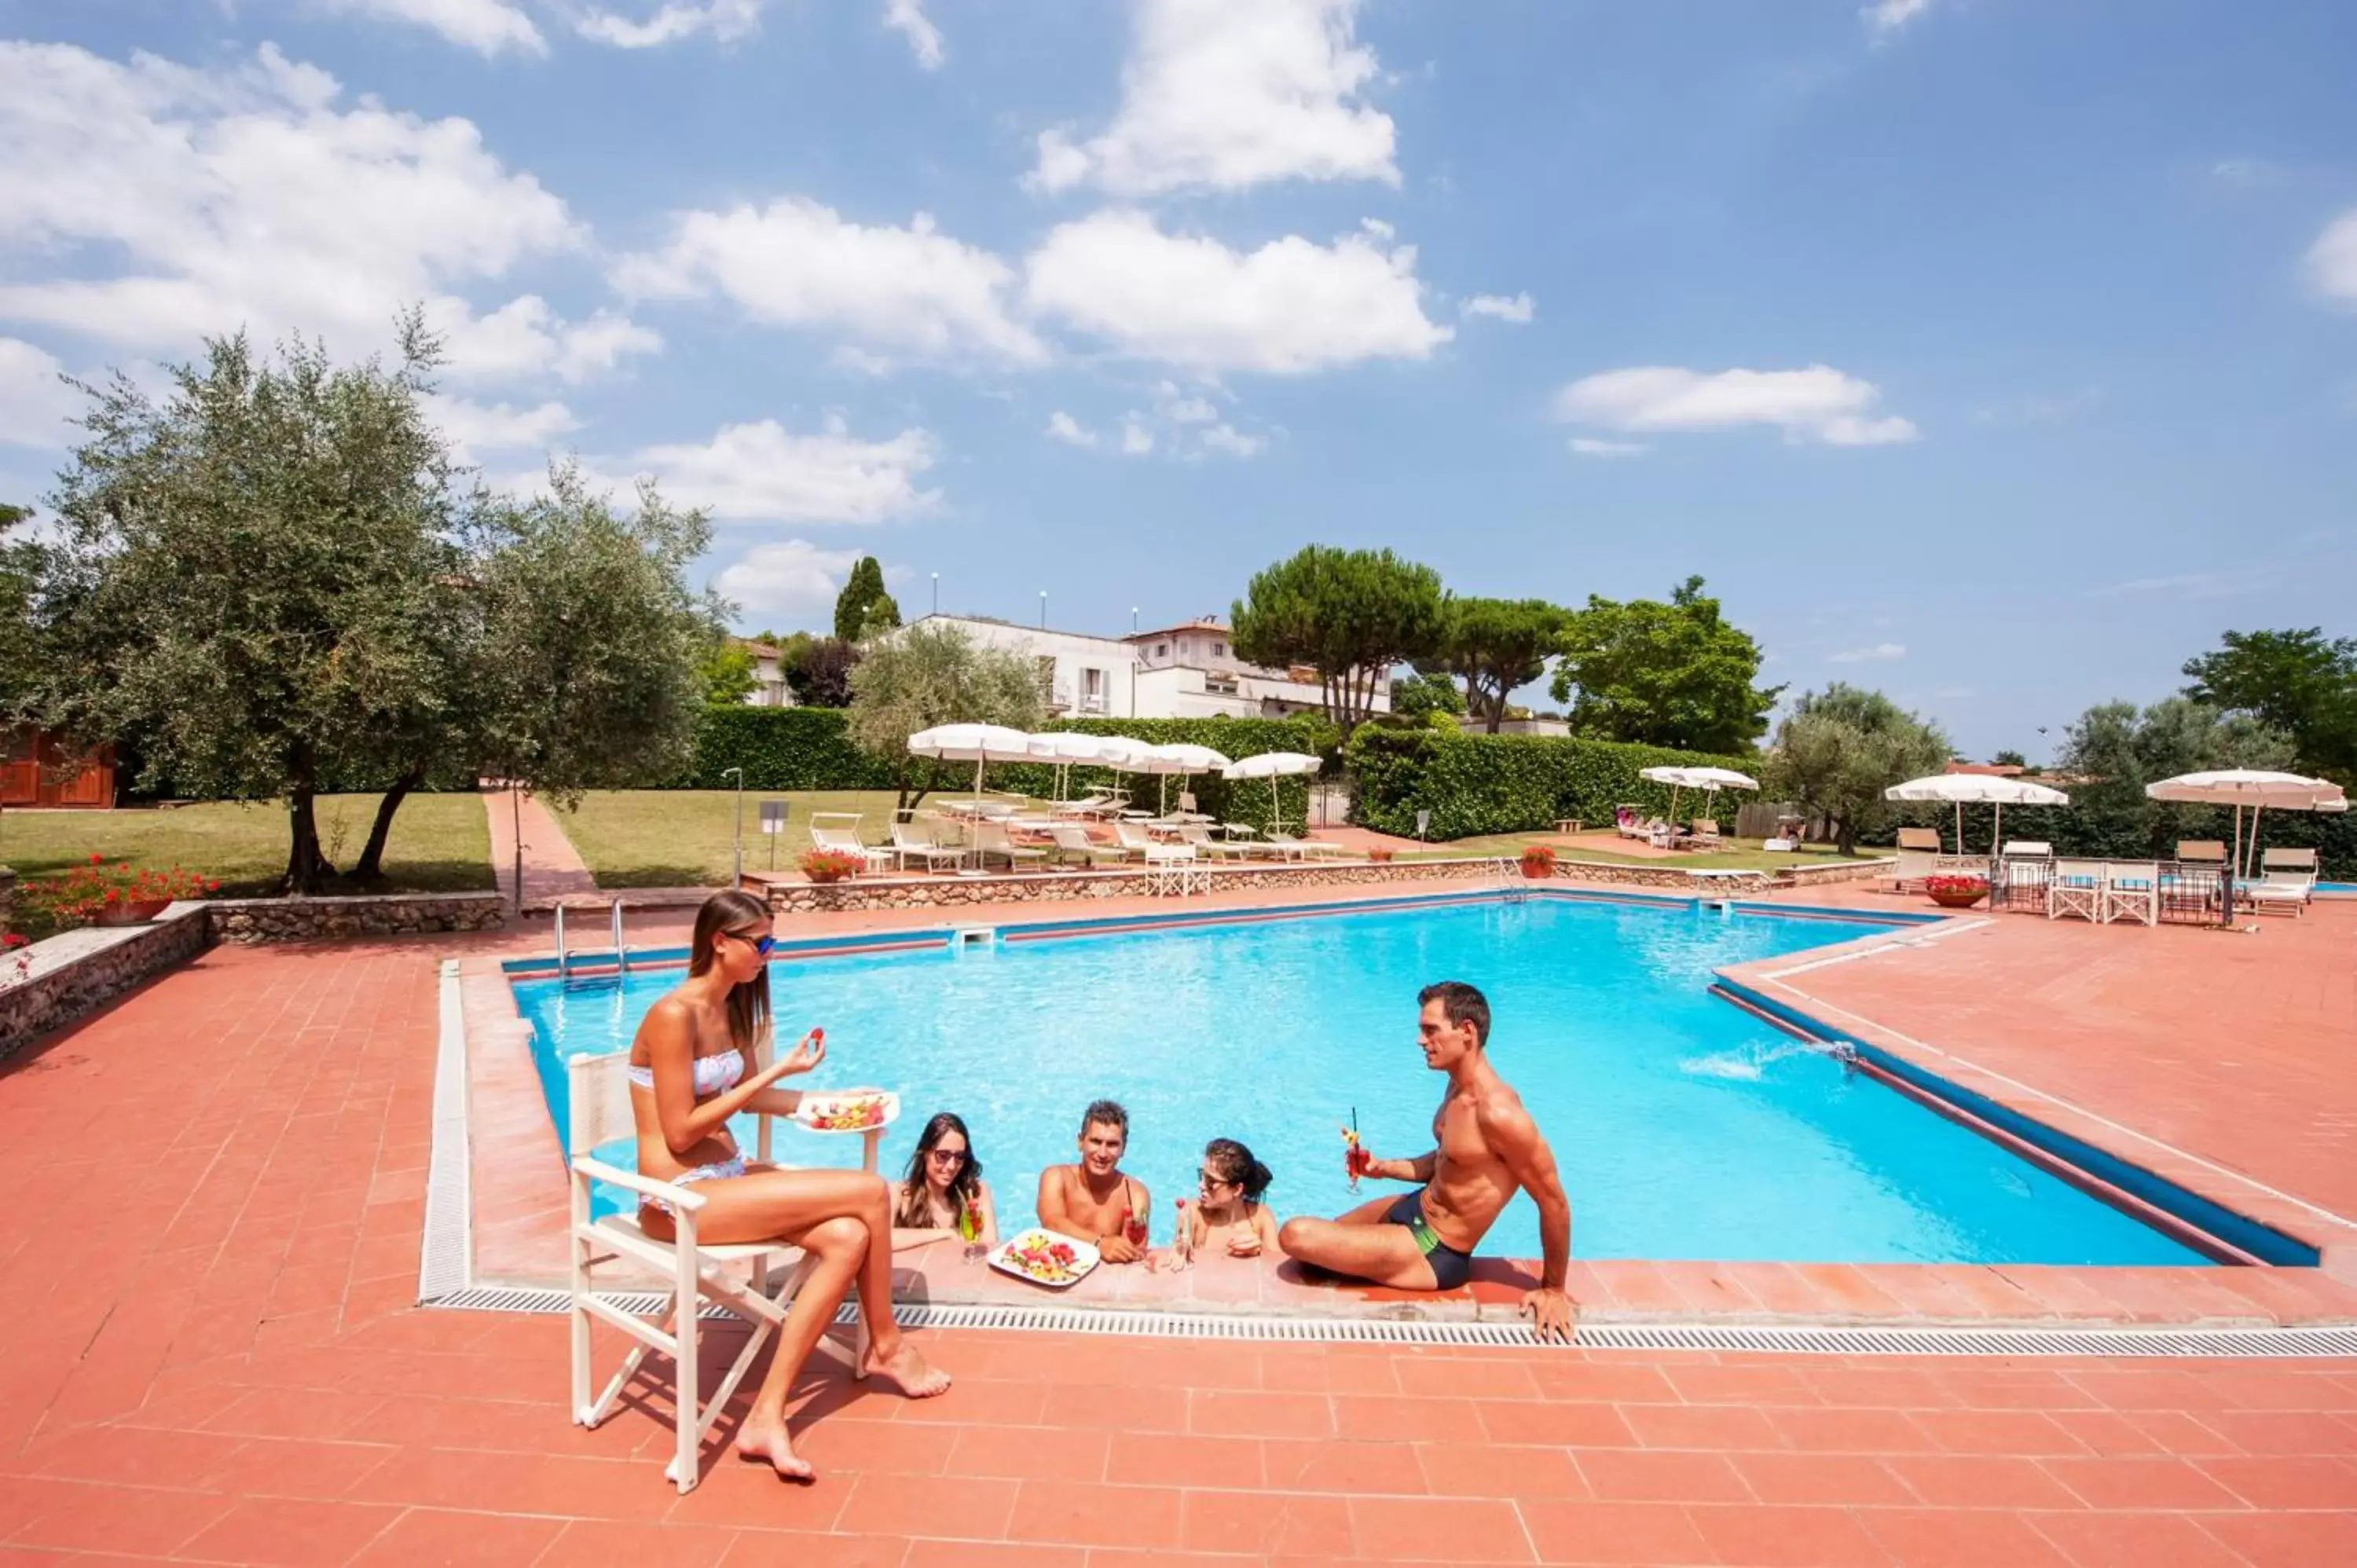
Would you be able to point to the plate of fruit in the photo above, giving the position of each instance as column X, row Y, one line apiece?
column 1045, row 1258
column 859, row 1110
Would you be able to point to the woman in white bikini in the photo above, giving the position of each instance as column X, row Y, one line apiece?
column 692, row 1069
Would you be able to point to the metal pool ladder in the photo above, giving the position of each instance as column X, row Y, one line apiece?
column 1506, row 871
column 621, row 951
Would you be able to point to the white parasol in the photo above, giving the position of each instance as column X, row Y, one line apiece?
column 1712, row 779
column 977, row 744
column 1272, row 766
column 1064, row 747
column 1977, row 790
column 2255, row 788
column 1183, row 758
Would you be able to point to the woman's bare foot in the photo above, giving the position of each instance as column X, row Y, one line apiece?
column 766, row 1443
column 910, row 1373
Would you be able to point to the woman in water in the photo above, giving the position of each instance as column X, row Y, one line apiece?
column 943, row 1190
column 1229, row 1214
column 693, row 1067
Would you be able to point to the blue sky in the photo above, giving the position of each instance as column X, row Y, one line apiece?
column 1997, row 353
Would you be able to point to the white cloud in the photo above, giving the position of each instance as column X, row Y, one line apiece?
column 1819, row 404
column 1885, row 17
column 798, row 264
column 763, row 472
column 2251, row 173
column 1517, row 308
column 488, row 26
column 525, row 338
column 1063, row 428
column 791, row 578
column 210, row 200
column 474, row 428
column 1588, row 447
column 2332, row 260
column 1220, row 95
column 908, row 18
column 1180, row 409
column 35, row 405
column 1136, row 440
column 1880, row 652
column 726, row 20
column 1226, row 438
column 1288, row 308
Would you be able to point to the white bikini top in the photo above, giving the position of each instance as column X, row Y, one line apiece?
column 714, row 1075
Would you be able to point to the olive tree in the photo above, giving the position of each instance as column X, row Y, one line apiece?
column 250, row 577
column 916, row 677
column 1839, row 749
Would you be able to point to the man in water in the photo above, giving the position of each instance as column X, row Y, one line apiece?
column 1093, row 1200
column 1488, row 1147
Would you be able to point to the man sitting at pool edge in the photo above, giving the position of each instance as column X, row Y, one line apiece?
column 1488, row 1146
column 1093, row 1200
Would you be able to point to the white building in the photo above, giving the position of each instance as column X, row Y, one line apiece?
column 1182, row 671
column 769, row 688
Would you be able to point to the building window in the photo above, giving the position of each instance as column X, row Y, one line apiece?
column 1219, row 650
column 1161, row 650
column 1093, row 691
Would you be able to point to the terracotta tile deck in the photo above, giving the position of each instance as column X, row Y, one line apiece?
column 212, row 1354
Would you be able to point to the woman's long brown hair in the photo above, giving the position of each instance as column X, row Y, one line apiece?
column 748, row 1003
column 916, row 1209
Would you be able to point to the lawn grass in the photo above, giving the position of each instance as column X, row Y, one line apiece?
column 440, row 844
column 683, row 838
column 1743, row 855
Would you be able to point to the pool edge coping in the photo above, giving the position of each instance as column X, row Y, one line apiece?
column 1758, row 1295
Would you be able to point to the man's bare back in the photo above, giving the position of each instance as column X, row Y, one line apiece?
column 1485, row 1148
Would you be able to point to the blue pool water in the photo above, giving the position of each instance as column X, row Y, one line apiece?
column 1684, row 1127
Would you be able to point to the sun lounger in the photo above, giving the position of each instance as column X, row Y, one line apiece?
column 1300, row 846
column 839, row 832
column 1073, row 839
column 1920, row 855
column 1133, row 841
column 2201, row 851
column 916, row 840
column 1704, row 835
column 2286, row 881
column 990, row 838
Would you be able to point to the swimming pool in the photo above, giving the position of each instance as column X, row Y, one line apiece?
column 1685, row 1128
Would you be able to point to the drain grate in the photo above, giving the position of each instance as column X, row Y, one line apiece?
column 1822, row 1339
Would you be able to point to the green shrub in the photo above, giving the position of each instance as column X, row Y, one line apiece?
column 780, row 748
column 1476, row 784
column 810, row 748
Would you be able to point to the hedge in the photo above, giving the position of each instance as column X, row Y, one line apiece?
column 2103, row 821
column 780, row 748
column 810, row 748
column 1476, row 784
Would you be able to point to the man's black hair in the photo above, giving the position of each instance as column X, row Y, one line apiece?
column 1461, row 1005
column 1107, row 1112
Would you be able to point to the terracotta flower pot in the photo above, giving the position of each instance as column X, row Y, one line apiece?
column 1959, row 898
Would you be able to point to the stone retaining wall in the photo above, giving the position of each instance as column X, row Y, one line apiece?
column 253, row 920
column 786, row 896
column 1668, row 874
column 76, row 972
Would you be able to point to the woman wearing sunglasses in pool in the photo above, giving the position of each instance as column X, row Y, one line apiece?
column 1229, row 1217
column 944, row 1192
column 692, row 1067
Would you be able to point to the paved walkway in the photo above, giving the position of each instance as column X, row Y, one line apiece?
column 210, row 1252
column 553, row 869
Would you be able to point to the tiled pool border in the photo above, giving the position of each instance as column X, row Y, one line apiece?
column 1611, row 1290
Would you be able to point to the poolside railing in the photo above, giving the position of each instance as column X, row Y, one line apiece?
column 2191, row 893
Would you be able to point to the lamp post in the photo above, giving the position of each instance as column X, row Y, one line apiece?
column 1043, row 609
column 937, row 593
column 736, row 875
